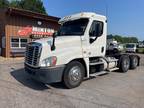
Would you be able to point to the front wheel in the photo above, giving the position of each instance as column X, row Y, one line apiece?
column 73, row 74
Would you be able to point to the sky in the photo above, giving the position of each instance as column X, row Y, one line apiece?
column 125, row 17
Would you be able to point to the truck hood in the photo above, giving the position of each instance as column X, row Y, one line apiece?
column 66, row 40
column 63, row 44
column 58, row 40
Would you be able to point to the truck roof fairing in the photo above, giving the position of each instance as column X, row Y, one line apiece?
column 81, row 15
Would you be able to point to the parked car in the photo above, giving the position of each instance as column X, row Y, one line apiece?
column 131, row 47
column 141, row 44
column 115, row 47
column 121, row 47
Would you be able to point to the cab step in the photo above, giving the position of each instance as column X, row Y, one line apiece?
column 113, row 69
column 96, row 63
column 98, row 73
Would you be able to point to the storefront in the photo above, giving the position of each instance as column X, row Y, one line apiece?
column 18, row 27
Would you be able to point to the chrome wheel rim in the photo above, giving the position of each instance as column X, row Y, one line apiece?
column 126, row 64
column 75, row 74
column 135, row 61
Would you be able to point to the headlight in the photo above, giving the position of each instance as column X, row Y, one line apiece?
column 50, row 61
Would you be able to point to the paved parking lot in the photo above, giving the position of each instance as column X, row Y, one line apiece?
column 114, row 90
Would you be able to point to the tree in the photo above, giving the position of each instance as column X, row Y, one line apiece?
column 15, row 4
column 32, row 5
column 4, row 3
column 123, row 39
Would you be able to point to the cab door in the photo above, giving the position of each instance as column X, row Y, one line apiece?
column 97, row 39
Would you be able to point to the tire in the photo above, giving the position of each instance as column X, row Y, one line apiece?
column 73, row 74
column 124, row 63
column 133, row 61
column 115, row 51
column 136, row 50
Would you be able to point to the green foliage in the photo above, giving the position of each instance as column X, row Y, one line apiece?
column 15, row 4
column 4, row 3
column 32, row 5
column 123, row 39
column 140, row 50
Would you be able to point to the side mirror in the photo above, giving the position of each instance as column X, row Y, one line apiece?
column 53, row 47
column 92, row 39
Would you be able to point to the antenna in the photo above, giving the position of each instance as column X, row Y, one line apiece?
column 106, row 8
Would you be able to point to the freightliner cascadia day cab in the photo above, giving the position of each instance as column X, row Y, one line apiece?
column 76, row 52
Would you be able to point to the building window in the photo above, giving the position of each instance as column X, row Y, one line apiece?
column 23, row 43
column 15, row 42
column 18, row 42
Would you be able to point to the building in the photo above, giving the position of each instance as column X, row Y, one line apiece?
column 18, row 27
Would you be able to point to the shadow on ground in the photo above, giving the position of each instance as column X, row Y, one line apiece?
column 21, row 76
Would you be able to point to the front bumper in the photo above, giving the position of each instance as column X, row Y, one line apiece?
column 46, row 74
column 130, row 50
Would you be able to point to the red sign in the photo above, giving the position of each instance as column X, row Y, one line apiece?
column 27, row 31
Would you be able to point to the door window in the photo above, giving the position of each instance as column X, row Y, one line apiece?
column 96, row 29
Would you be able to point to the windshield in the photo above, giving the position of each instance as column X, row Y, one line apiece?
column 130, row 46
column 76, row 27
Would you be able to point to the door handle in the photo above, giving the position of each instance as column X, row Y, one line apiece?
column 102, row 49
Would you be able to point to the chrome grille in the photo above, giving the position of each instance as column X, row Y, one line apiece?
column 33, row 51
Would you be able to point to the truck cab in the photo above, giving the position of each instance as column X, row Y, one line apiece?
column 76, row 51
column 131, row 47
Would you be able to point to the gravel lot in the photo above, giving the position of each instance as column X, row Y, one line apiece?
column 114, row 90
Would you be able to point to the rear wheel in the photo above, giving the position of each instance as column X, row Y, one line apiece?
column 73, row 74
column 124, row 64
column 133, row 61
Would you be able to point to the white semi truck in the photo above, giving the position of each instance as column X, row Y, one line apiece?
column 77, row 51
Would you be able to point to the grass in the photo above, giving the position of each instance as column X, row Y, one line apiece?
column 140, row 50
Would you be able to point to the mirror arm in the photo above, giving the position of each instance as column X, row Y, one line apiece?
column 53, row 47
